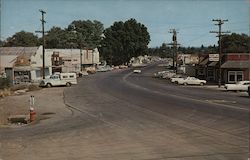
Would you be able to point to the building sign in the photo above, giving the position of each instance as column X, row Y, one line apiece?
column 214, row 57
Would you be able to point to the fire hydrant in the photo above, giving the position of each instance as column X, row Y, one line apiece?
column 32, row 114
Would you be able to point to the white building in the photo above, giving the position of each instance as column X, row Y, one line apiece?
column 70, row 60
column 139, row 61
column 24, row 64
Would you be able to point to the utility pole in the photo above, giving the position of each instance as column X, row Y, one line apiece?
column 174, row 44
column 219, row 34
column 81, row 58
column 43, row 32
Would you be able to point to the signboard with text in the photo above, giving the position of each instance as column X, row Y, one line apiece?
column 214, row 57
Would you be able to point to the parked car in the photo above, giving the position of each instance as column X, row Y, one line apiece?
column 122, row 66
column 239, row 86
column 168, row 74
column 104, row 68
column 59, row 79
column 191, row 80
column 159, row 74
column 177, row 77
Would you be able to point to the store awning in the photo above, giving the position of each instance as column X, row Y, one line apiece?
column 236, row 64
column 212, row 64
column 204, row 62
column 25, row 68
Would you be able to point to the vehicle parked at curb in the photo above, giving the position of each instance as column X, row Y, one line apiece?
column 159, row 74
column 59, row 79
column 168, row 74
column 164, row 74
column 177, row 77
column 239, row 86
column 191, row 81
column 104, row 68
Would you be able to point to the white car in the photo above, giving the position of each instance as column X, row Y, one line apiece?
column 168, row 75
column 159, row 74
column 177, row 77
column 239, row 86
column 137, row 71
column 191, row 80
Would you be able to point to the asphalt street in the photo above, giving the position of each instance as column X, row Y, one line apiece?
column 127, row 116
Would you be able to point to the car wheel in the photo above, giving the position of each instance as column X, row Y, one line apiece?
column 202, row 84
column 48, row 85
column 68, row 84
column 185, row 84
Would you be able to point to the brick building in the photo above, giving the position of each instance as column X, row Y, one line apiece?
column 236, row 67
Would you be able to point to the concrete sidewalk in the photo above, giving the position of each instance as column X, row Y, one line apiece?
column 49, row 105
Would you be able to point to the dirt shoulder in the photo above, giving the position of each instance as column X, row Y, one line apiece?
column 48, row 102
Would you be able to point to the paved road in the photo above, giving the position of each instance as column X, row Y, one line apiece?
column 121, row 115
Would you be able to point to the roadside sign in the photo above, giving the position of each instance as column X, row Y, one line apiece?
column 214, row 57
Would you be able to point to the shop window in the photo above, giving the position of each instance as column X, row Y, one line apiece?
column 231, row 78
column 234, row 76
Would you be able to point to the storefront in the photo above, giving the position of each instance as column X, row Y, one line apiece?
column 236, row 71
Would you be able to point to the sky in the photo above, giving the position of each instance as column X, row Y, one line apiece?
column 191, row 18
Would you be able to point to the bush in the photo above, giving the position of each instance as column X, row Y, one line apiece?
column 4, row 83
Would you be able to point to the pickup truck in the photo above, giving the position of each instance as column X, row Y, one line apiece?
column 59, row 79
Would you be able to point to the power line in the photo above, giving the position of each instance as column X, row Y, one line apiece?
column 219, row 34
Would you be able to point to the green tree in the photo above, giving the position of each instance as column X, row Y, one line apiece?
column 78, row 34
column 87, row 33
column 124, row 40
column 165, row 51
column 22, row 38
column 55, row 38
column 237, row 43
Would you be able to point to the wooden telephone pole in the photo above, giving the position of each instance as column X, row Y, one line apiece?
column 174, row 44
column 43, row 32
column 219, row 34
